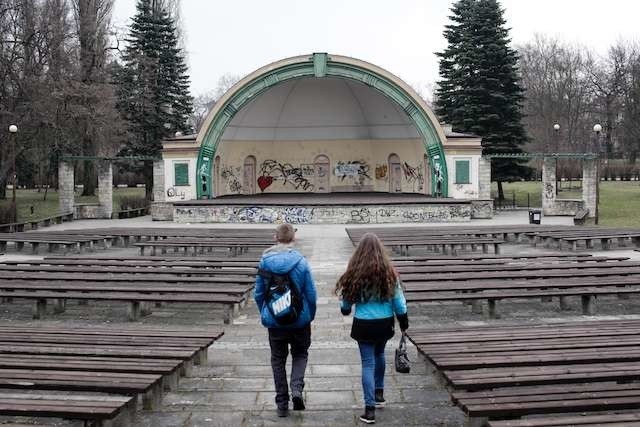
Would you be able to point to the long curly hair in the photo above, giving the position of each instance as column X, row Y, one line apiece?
column 369, row 274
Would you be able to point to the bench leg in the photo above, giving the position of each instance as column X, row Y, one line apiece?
column 186, row 368
column 228, row 314
column 588, row 305
column 546, row 299
column 485, row 248
column 59, row 305
column 134, row 311
column 564, row 304
column 588, row 243
column 3, row 247
column 493, row 309
column 170, row 382
column 200, row 358
column 476, row 306
column 34, row 248
column 496, row 248
column 476, row 422
column 19, row 246
column 40, row 309
column 605, row 244
column 152, row 398
column 145, row 308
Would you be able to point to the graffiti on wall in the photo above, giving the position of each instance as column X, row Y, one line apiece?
column 358, row 170
column 381, row 171
column 173, row 192
column 266, row 215
column 549, row 191
column 297, row 177
column 414, row 176
column 230, row 175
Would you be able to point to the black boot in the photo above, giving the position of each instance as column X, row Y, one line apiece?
column 369, row 416
column 380, row 398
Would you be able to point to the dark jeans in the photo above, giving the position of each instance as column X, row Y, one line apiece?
column 280, row 340
column 373, row 364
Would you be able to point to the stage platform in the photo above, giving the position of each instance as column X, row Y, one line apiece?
column 329, row 208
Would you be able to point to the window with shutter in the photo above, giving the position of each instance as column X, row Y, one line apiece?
column 181, row 176
column 462, row 172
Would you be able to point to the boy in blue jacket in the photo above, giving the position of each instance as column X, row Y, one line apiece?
column 282, row 258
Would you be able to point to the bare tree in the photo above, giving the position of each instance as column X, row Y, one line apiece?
column 203, row 103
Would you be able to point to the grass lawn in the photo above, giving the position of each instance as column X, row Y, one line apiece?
column 28, row 199
column 619, row 200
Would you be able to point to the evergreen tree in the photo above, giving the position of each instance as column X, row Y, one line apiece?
column 153, row 84
column 480, row 90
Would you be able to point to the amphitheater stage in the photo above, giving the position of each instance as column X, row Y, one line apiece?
column 328, row 208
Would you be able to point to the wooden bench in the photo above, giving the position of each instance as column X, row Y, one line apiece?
column 136, row 300
column 132, row 213
column 581, row 216
column 179, row 271
column 606, row 420
column 98, row 409
column 12, row 227
column 46, row 222
column 235, row 247
column 511, row 371
column 480, row 407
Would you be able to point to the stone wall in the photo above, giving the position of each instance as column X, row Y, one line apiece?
column 590, row 185
column 162, row 211
column 549, row 186
column 105, row 189
column 374, row 214
column 65, row 187
column 484, row 179
column 481, row 209
column 158, row 181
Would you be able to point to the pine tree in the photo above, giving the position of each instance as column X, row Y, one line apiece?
column 153, row 84
column 480, row 90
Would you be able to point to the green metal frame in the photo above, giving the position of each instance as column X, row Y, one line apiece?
column 321, row 65
column 542, row 155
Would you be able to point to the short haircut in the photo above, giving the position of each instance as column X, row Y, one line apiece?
column 285, row 233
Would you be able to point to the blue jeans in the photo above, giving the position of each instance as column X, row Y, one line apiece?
column 373, row 364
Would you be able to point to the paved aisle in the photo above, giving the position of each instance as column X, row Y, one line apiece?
column 236, row 388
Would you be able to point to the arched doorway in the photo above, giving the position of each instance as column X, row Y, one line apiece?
column 249, row 175
column 395, row 174
column 322, row 174
column 321, row 65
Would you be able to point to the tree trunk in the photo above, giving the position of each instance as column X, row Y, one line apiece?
column 500, row 191
column 89, row 178
column 3, row 189
column 148, row 181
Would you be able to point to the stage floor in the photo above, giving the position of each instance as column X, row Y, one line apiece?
column 323, row 199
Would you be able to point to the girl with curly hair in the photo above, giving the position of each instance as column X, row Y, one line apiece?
column 372, row 285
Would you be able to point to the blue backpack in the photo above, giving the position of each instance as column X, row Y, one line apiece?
column 283, row 298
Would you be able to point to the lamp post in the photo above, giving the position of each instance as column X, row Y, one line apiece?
column 597, row 128
column 556, row 129
column 13, row 129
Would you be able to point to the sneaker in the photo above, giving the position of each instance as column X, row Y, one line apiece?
column 298, row 403
column 369, row 416
column 283, row 412
column 380, row 402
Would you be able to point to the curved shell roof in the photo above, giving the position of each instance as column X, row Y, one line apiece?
column 320, row 109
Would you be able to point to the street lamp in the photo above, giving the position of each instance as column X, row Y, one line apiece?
column 13, row 129
column 597, row 128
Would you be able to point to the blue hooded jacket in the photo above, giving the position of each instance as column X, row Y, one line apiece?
column 279, row 259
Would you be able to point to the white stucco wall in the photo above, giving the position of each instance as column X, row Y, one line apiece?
column 172, row 192
column 463, row 191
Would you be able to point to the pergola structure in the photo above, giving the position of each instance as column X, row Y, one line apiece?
column 551, row 205
column 66, row 185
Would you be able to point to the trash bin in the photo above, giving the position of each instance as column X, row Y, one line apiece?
column 534, row 216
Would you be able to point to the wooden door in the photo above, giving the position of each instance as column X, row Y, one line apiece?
column 249, row 176
column 395, row 174
column 322, row 173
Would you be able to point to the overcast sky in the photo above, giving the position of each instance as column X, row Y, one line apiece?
column 239, row 36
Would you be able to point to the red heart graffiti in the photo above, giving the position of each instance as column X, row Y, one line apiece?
column 264, row 182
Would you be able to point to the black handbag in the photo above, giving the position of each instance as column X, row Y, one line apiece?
column 403, row 364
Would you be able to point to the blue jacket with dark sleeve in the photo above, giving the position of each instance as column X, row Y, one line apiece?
column 280, row 259
column 373, row 319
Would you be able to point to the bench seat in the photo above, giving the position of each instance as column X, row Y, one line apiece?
column 605, row 420
column 97, row 409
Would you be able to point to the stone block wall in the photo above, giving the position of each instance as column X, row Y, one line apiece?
column 158, row 181
column 549, row 186
column 590, row 185
column 105, row 189
column 484, row 179
column 454, row 212
column 66, row 187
